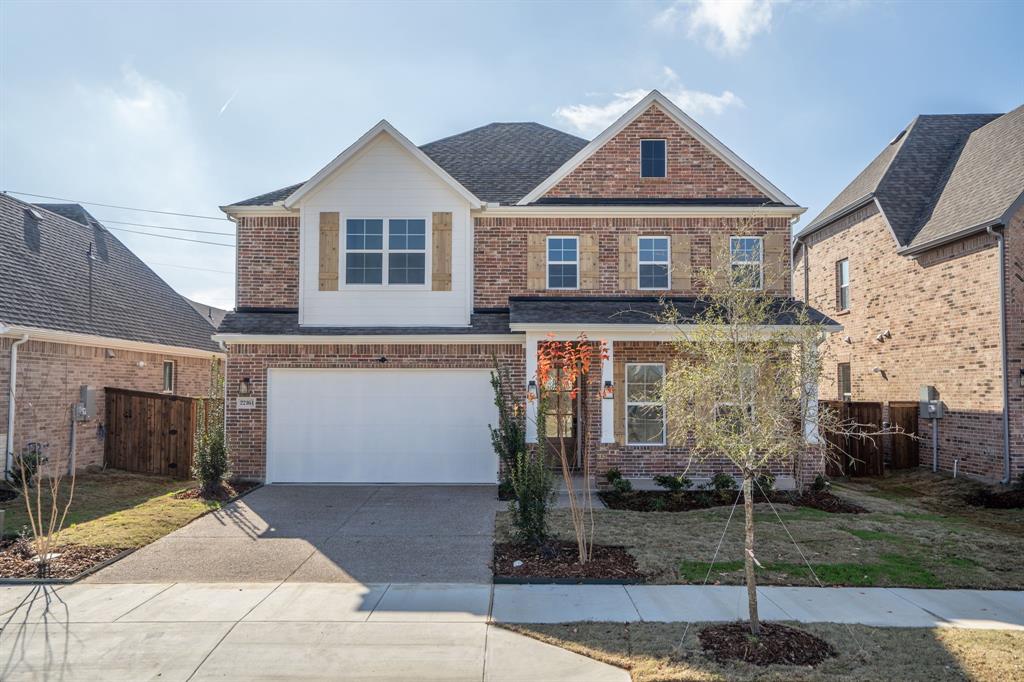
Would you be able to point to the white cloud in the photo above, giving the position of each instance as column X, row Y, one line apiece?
column 593, row 118
column 725, row 26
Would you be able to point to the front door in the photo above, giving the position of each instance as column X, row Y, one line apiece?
column 562, row 422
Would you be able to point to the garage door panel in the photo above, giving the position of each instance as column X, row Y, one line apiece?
column 379, row 426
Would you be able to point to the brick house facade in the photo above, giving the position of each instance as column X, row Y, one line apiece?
column 298, row 309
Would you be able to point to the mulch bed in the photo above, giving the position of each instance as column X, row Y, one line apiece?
column 16, row 559
column 7, row 494
column 227, row 491
column 560, row 559
column 688, row 500
column 1009, row 499
column 776, row 645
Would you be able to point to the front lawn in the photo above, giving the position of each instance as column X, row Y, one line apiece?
column 118, row 509
column 652, row 652
column 919, row 532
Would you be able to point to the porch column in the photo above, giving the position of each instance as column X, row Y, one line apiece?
column 531, row 375
column 608, row 404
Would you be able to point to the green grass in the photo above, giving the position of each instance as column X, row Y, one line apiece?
column 890, row 569
column 118, row 509
column 873, row 535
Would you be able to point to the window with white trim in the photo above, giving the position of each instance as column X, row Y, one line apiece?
column 843, row 284
column 385, row 252
column 746, row 260
column 653, row 158
column 653, row 262
column 168, row 376
column 645, row 406
column 563, row 262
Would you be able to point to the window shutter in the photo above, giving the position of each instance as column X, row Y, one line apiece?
column 590, row 272
column 681, row 270
column 329, row 251
column 619, row 399
column 627, row 262
column 720, row 259
column 776, row 262
column 441, row 237
column 536, row 262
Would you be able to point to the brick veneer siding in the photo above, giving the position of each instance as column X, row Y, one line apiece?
column 1014, row 235
column 942, row 310
column 50, row 376
column 247, row 429
column 500, row 253
column 267, row 262
column 693, row 170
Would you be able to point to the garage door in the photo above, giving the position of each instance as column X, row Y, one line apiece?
column 380, row 426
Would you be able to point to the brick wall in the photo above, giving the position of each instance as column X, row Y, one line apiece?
column 693, row 170
column 247, row 429
column 500, row 254
column 942, row 310
column 50, row 376
column 1014, row 235
column 267, row 262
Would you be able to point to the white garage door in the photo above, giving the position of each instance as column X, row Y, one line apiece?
column 380, row 426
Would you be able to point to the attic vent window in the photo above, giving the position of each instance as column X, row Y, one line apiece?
column 652, row 158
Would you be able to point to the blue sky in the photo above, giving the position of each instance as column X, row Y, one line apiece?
column 186, row 106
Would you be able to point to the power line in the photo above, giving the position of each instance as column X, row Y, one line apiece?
column 167, row 236
column 123, row 208
column 161, row 227
column 189, row 267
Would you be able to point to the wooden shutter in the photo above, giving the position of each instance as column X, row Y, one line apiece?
column 590, row 273
column 682, row 273
column 776, row 262
column 441, row 237
column 329, row 251
column 627, row 262
column 536, row 262
column 619, row 399
column 720, row 259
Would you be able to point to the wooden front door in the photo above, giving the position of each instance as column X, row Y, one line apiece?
column 562, row 423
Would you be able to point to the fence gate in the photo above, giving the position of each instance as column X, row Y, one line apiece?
column 905, row 446
column 857, row 456
column 150, row 433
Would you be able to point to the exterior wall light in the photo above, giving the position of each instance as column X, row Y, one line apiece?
column 244, row 386
column 609, row 391
column 531, row 390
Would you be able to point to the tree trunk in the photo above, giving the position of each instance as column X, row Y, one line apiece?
column 748, row 554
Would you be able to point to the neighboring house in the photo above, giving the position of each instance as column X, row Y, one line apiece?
column 80, row 309
column 374, row 299
column 921, row 259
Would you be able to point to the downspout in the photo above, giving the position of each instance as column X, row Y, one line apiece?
column 12, row 392
column 996, row 231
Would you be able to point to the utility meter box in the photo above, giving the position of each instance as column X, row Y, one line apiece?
column 930, row 405
column 86, row 407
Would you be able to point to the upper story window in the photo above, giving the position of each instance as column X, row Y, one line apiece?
column 653, row 262
column 746, row 258
column 385, row 252
column 652, row 158
column 843, row 284
column 645, row 406
column 563, row 262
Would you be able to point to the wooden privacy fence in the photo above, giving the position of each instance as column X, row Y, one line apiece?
column 856, row 456
column 151, row 433
column 905, row 446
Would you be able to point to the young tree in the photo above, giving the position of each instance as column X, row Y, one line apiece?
column 740, row 384
column 210, row 465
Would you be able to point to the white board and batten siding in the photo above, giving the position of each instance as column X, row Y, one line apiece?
column 383, row 180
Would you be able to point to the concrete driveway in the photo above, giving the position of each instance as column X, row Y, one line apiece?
column 364, row 534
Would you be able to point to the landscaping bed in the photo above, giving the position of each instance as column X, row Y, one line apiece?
column 560, row 560
column 776, row 645
column 227, row 492
column 689, row 500
column 1007, row 499
column 16, row 560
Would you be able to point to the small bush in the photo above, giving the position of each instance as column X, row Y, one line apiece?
column 612, row 475
column 26, row 467
column 533, row 485
column 765, row 483
column 722, row 482
column 210, row 464
column 509, row 437
column 673, row 483
column 1020, row 482
column 820, row 484
column 656, row 504
column 622, row 485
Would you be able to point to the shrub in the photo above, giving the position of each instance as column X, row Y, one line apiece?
column 656, row 504
column 765, row 483
column 509, row 438
column 533, row 486
column 612, row 475
column 722, row 482
column 673, row 483
column 820, row 484
column 210, row 464
column 26, row 466
column 622, row 485
column 1020, row 481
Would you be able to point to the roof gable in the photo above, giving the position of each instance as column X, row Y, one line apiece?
column 724, row 174
column 382, row 128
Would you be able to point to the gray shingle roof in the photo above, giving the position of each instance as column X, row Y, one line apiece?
column 69, row 275
column 264, row 322
column 499, row 162
column 944, row 173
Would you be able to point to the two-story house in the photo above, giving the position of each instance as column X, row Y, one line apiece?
column 374, row 299
column 921, row 259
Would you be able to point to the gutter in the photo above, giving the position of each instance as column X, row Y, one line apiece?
column 11, row 396
column 996, row 231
